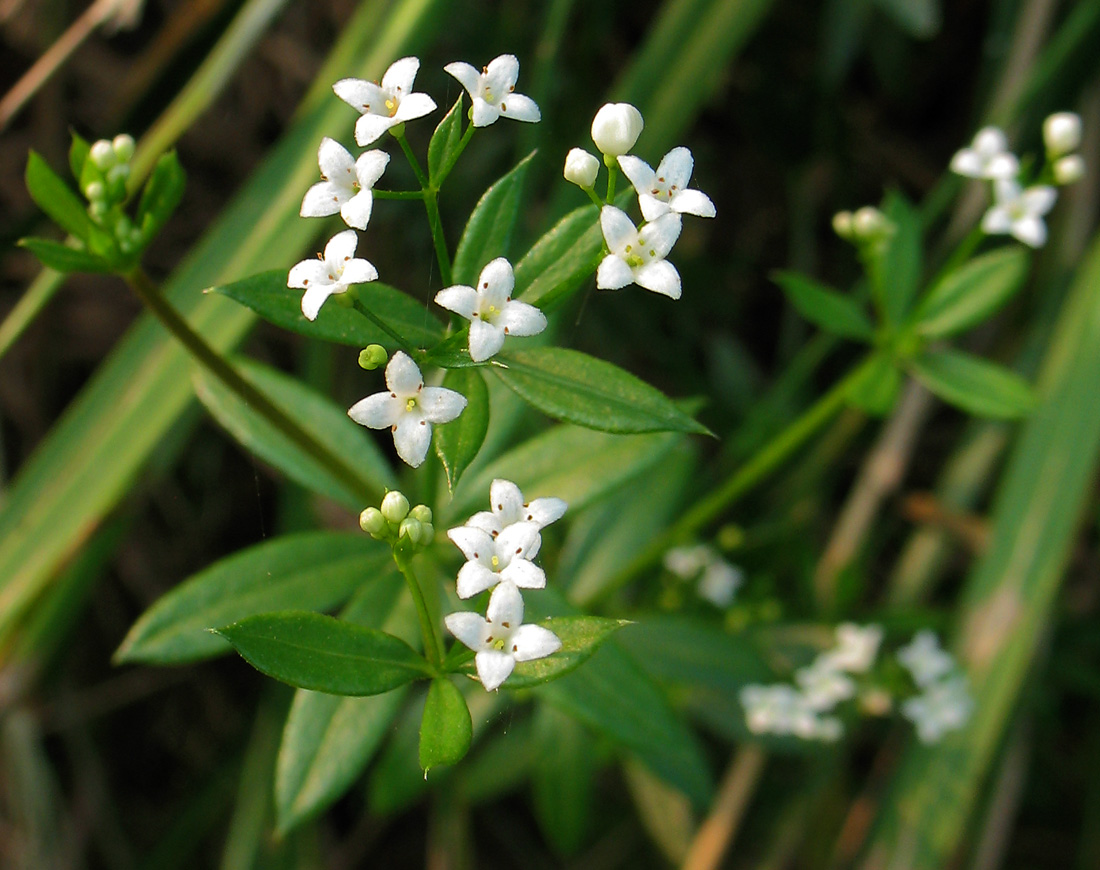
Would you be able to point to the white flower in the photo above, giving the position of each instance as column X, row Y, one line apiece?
column 665, row 189
column 346, row 185
column 925, row 660
column 719, row 580
column 491, row 310
column 616, row 128
column 509, row 508
column 492, row 91
column 943, row 707
column 503, row 559
column 386, row 105
column 778, row 709
column 581, row 168
column 1020, row 212
column 1062, row 133
column 501, row 639
column 638, row 256
column 823, row 685
column 334, row 273
column 408, row 408
column 856, row 647
column 686, row 562
column 1067, row 169
column 987, row 157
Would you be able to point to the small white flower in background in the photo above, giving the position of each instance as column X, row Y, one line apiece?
column 334, row 273
column 823, row 685
column 925, row 659
column 718, row 579
column 408, row 408
column 777, row 709
column 503, row 559
column 616, row 128
column 492, row 91
column 386, row 105
column 1019, row 212
column 501, row 639
column 581, row 168
column 686, row 562
column 1069, row 169
column 1062, row 133
column 987, row 157
column 508, row 508
column 491, row 310
column 665, row 189
column 346, row 185
column 638, row 256
column 944, row 707
column 856, row 647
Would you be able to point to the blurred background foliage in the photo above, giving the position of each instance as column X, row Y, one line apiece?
column 793, row 110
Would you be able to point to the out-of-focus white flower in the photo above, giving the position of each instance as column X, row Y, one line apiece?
column 987, row 157
column 944, row 707
column 581, row 168
column 776, row 709
column 925, row 659
column 638, row 256
column 616, row 128
column 1069, row 169
column 503, row 559
column 1020, row 212
column 492, row 91
column 666, row 188
column 824, row 685
column 868, row 224
column 720, row 582
column 337, row 270
column 508, row 508
column 1062, row 133
column 386, row 105
column 856, row 647
column 347, row 184
column 687, row 562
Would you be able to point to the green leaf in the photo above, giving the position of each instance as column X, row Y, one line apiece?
column 161, row 196
column 56, row 199
column 452, row 352
column 78, row 154
column 894, row 265
column 562, row 778
column 313, row 651
column 489, row 230
column 971, row 293
column 307, row 571
column 825, row 307
column 877, row 389
column 446, row 729
column 443, row 147
column 577, row 388
column 920, row 18
column 268, row 295
column 580, row 637
column 315, row 412
column 63, row 258
column 976, row 386
column 458, row 442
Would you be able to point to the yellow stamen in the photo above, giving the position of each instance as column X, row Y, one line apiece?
column 410, row 403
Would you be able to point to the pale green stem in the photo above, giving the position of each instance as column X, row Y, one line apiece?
column 397, row 194
column 431, row 205
column 367, row 313
column 446, row 168
column 433, row 642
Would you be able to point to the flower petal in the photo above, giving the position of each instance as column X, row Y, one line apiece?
column 534, row 642
column 460, row 299
column 307, row 274
column 692, row 202
column 484, row 113
column 653, row 207
column 661, row 235
column 467, row 76
column 440, row 405
column 501, row 75
column 323, row 199
column 1030, row 230
column 476, row 544
column 618, row 228
column 411, row 438
column 377, row 411
column 1002, row 166
column 315, row 297
column 639, row 172
column 361, row 95
column 543, row 511
column 470, row 628
column 1039, row 199
column 613, row 273
column 506, row 500
column 519, row 107
column 414, row 106
column 493, row 668
column 485, row 339
column 357, row 210
column 969, row 163
column 369, row 127
column 473, row 577
column 369, row 167
column 660, row 277
column 496, row 282
column 989, row 141
column 487, row 521
column 519, row 318
column 358, row 271
column 675, row 168
column 997, row 220
column 334, row 161
column 524, row 574
column 402, row 376
column 505, row 609
column 400, row 76
column 341, row 248
column 518, row 540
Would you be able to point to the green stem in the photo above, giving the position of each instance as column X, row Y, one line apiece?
column 397, row 194
column 763, row 462
column 433, row 642
column 431, row 205
column 612, row 176
column 218, row 366
column 400, row 339
column 596, row 201
column 446, row 168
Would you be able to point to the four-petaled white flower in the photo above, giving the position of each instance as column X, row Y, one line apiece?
column 638, row 256
column 492, row 91
column 386, row 105
column 987, row 157
column 503, row 559
column 665, row 189
column 1020, row 212
column 337, row 270
column 925, row 660
column 491, row 310
column 945, row 706
column 509, row 508
column 346, row 185
column 501, row 639
column 777, row 709
column 856, row 647
column 824, row 685
column 409, row 408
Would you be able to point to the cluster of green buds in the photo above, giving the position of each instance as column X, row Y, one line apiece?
column 398, row 524
column 865, row 226
column 372, row 357
column 103, row 181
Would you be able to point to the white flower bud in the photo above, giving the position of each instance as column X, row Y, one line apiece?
column 123, row 146
column 412, row 529
column 94, row 190
column 1069, row 169
column 867, row 223
column 372, row 521
column 395, row 507
column 616, row 128
column 842, row 224
column 581, row 168
column 118, row 172
column 422, row 513
column 102, row 155
column 1062, row 132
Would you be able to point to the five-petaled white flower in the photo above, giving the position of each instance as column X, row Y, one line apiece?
column 945, row 706
column 856, row 647
column 346, row 185
column 638, row 256
column 505, row 558
column 337, row 270
column 987, row 157
column 492, row 91
column 925, row 660
column 509, row 508
column 408, row 408
column 386, row 105
column 665, row 189
column 501, row 639
column 491, row 310
column 1020, row 212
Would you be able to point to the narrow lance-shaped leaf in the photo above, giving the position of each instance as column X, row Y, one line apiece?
column 825, row 307
column 55, row 198
column 446, row 728
column 876, row 390
column 443, row 147
column 894, row 263
column 161, row 195
column 78, row 154
column 458, row 442
column 63, row 258
column 973, row 384
column 972, row 293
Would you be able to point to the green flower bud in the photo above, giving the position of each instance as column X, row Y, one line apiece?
column 118, row 172
column 373, row 356
column 427, row 534
column 372, row 522
column 869, row 224
column 421, row 512
column 395, row 507
column 102, row 155
column 123, row 146
column 95, row 190
column 412, row 529
column 842, row 224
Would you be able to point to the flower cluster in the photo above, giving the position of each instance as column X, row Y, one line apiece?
column 944, row 703
column 395, row 522
column 1019, row 206
column 500, row 546
column 718, row 580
